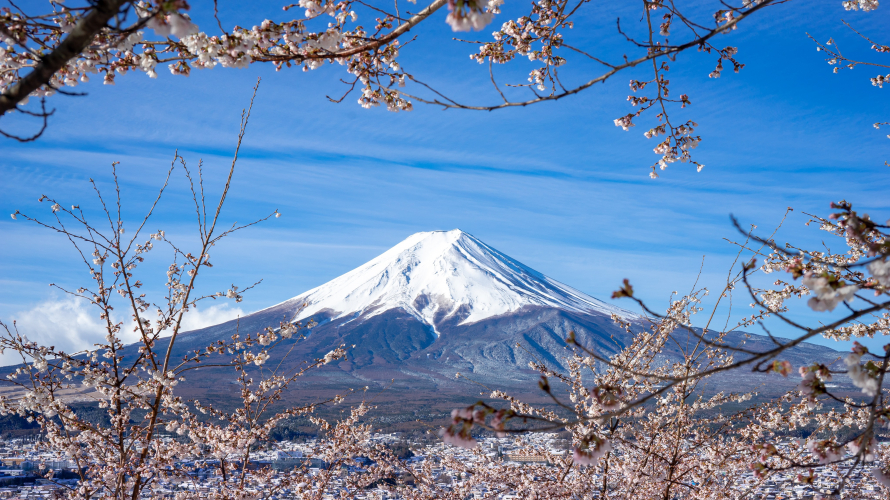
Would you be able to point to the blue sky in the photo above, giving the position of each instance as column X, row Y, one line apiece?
column 556, row 186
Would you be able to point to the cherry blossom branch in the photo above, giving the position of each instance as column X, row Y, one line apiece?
column 70, row 47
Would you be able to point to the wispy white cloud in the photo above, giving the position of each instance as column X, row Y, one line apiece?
column 209, row 316
column 68, row 324
column 72, row 325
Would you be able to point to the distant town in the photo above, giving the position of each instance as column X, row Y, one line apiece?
column 25, row 462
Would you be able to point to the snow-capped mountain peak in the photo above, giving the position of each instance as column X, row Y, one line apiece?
column 439, row 274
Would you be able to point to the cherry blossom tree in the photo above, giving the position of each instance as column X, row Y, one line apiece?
column 152, row 434
column 646, row 428
column 52, row 51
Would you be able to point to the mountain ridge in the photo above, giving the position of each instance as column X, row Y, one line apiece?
column 437, row 275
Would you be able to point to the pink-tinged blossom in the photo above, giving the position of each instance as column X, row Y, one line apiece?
column 459, row 432
column 459, row 414
column 472, row 20
column 460, row 439
column 813, row 383
column 814, row 372
column 781, row 367
column 862, row 377
column 765, row 450
column 881, row 476
column 880, row 269
column 313, row 9
column 497, row 422
column 807, row 385
column 759, row 469
column 855, row 448
column 607, row 397
column 172, row 24
column 827, row 297
column 331, row 356
column 591, row 455
column 859, row 349
column 824, row 451
column 260, row 359
column 625, row 122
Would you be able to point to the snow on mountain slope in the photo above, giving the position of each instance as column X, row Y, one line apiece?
column 435, row 275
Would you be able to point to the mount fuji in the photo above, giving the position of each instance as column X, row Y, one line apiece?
column 443, row 277
column 435, row 304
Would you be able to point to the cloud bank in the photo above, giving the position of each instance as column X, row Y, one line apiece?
column 72, row 325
